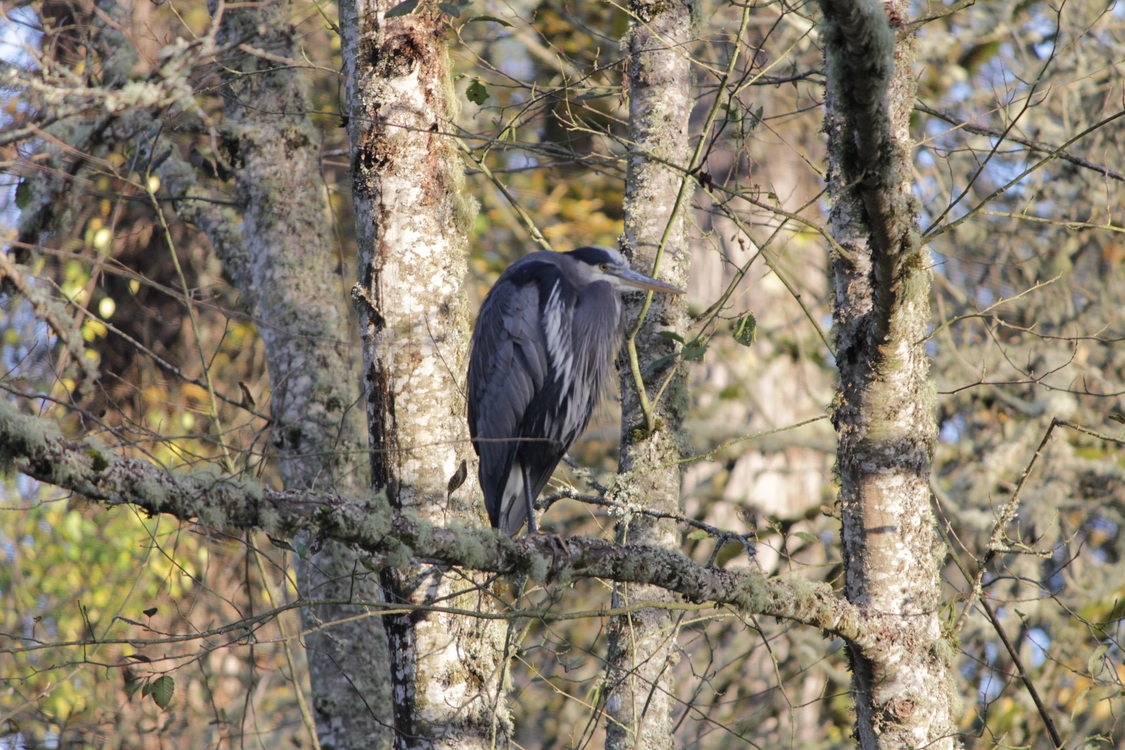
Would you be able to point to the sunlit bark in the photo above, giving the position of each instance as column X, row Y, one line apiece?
column 412, row 218
column 642, row 651
column 884, row 416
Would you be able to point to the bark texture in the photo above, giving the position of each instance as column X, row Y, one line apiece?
column 290, row 271
column 412, row 219
column 884, row 414
column 287, row 266
column 642, row 645
column 88, row 468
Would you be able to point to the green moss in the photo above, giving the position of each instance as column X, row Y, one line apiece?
column 211, row 516
column 151, row 492
column 374, row 521
column 269, row 520
column 470, row 549
column 250, row 489
column 538, row 568
column 400, row 556
column 98, row 461
column 29, row 433
column 752, row 595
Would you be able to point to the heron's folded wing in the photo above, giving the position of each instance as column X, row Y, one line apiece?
column 506, row 370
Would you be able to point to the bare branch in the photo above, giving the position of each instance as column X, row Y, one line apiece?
column 1039, row 146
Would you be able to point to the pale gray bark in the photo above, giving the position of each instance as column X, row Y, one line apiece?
column 884, row 416
column 642, row 646
column 288, row 268
column 412, row 218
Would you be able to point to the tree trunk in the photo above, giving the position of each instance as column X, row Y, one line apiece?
column 642, row 652
column 884, row 416
column 290, row 270
column 412, row 219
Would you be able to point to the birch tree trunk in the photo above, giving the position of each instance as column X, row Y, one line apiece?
column 884, row 416
column 287, row 266
column 642, row 651
column 412, row 218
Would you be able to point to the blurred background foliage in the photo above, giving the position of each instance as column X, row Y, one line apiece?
column 168, row 365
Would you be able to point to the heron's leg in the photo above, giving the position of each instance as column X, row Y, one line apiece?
column 532, row 527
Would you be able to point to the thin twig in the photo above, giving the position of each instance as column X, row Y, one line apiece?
column 1048, row 722
column 959, row 124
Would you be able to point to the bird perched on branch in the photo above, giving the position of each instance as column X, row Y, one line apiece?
column 541, row 352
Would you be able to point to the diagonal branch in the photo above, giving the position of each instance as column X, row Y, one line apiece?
column 959, row 123
column 36, row 448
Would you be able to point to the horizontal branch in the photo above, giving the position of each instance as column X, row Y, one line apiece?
column 37, row 449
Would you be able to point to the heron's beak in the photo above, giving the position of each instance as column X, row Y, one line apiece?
column 630, row 278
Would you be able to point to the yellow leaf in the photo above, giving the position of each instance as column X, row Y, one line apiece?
column 193, row 391
column 102, row 238
column 93, row 329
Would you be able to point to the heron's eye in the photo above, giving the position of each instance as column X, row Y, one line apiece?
column 604, row 266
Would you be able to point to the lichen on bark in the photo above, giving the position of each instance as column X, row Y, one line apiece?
column 642, row 646
column 884, row 414
column 412, row 217
column 286, row 266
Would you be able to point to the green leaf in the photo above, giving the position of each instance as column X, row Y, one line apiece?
column 23, row 194
column 162, row 690
column 657, row 364
column 493, row 19
column 694, row 350
column 450, row 10
column 806, row 536
column 671, row 335
column 1116, row 612
column 476, row 93
column 756, row 117
column 746, row 330
column 404, row 8
column 977, row 55
column 698, row 534
column 1094, row 664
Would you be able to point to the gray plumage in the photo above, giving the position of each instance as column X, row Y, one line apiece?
column 541, row 352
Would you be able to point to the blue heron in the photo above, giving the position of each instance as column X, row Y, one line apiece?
column 541, row 353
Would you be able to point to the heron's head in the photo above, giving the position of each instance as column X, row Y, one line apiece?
column 604, row 264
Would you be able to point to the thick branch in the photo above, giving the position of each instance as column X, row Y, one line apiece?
column 196, row 205
column 287, row 266
column 643, row 650
column 884, row 412
column 88, row 468
column 861, row 68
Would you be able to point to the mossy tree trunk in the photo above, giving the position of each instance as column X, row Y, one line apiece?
column 288, row 267
column 884, row 415
column 411, row 226
column 640, row 700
